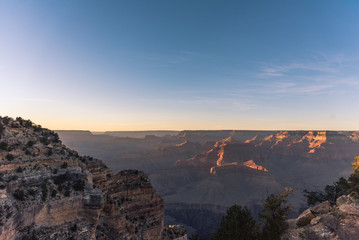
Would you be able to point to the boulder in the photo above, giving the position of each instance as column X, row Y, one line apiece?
column 304, row 218
column 322, row 208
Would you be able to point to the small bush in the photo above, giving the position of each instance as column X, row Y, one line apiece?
column 45, row 140
column 14, row 125
column 12, row 178
column 64, row 165
column 19, row 170
column 19, row 195
column 49, row 152
column 44, row 191
column 53, row 193
column 74, row 228
column 6, row 120
column 3, row 146
column 30, row 143
column 67, row 193
column 79, row 185
column 31, row 192
column 1, row 128
column 60, row 179
column 37, row 128
column 10, row 157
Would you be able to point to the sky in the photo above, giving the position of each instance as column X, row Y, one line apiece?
column 181, row 64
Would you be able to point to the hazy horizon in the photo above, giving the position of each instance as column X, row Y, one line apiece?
column 181, row 130
column 133, row 65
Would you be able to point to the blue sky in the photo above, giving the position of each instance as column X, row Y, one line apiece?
column 137, row 65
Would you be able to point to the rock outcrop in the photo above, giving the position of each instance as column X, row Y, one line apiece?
column 324, row 221
column 48, row 191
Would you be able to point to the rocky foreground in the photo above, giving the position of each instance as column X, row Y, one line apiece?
column 327, row 221
column 48, row 191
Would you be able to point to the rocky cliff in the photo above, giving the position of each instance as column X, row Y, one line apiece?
column 48, row 191
column 326, row 221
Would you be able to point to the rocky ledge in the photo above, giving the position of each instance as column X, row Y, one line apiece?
column 326, row 221
column 48, row 191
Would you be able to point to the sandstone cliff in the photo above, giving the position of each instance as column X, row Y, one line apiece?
column 48, row 191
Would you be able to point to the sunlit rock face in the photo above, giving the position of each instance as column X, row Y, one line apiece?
column 48, row 191
column 216, row 168
column 253, row 165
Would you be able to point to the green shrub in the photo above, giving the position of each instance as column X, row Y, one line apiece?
column 19, row 170
column 274, row 214
column 237, row 224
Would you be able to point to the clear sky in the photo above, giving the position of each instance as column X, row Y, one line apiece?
column 181, row 64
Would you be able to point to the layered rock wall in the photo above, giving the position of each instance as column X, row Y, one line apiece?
column 48, row 191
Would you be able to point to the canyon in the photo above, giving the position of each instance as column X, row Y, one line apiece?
column 48, row 191
column 213, row 170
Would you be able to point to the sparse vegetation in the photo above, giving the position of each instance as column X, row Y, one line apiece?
column 53, row 193
column 60, row 179
column 49, row 152
column 19, row 195
column 14, row 125
column 19, row 169
column 37, row 128
column 274, row 214
column 67, row 193
column 64, row 165
column 308, row 234
column 1, row 128
column 79, row 185
column 339, row 188
column 30, row 143
column 10, row 157
column 31, row 192
column 12, row 178
column 3, row 146
column 44, row 191
column 74, row 228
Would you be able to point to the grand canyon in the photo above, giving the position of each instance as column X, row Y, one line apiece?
column 200, row 174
